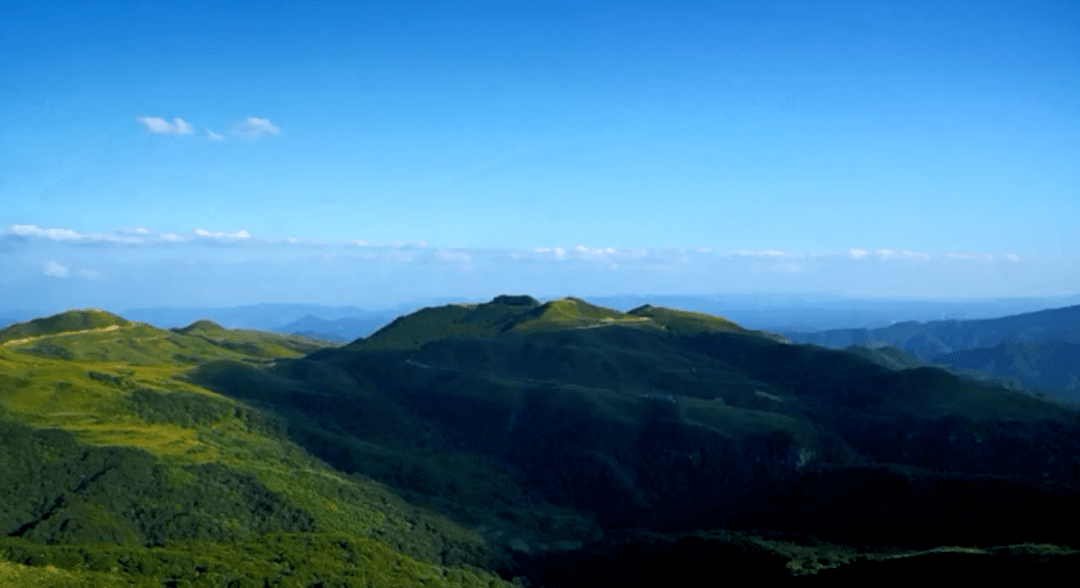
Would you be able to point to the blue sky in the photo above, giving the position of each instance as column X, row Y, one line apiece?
column 187, row 153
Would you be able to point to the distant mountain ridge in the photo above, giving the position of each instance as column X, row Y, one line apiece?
column 810, row 313
column 770, row 311
column 1050, row 367
column 342, row 329
column 1040, row 350
column 939, row 337
column 266, row 316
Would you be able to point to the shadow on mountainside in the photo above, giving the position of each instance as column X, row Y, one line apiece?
column 548, row 440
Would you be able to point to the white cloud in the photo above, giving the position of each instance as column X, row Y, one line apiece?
column 54, row 270
column 372, row 245
column 699, row 260
column 253, row 128
column 762, row 253
column 594, row 253
column 558, row 252
column 89, row 274
column 72, row 236
column 886, row 253
column 214, row 136
column 54, row 234
column 241, row 234
column 161, row 126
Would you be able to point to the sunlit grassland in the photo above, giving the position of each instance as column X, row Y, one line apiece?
column 125, row 385
column 13, row 575
column 91, row 400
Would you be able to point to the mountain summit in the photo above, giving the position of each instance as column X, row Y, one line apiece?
column 508, row 315
column 65, row 322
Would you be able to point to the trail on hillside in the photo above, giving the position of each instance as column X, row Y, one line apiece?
column 84, row 331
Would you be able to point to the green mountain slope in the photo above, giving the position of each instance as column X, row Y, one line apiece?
column 554, row 424
column 1050, row 367
column 118, row 470
column 512, row 315
column 566, row 443
column 67, row 322
column 895, row 358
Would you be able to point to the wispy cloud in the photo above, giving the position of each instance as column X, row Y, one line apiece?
column 241, row 234
column 161, row 126
column 214, row 136
column 645, row 257
column 55, row 270
column 69, row 236
column 143, row 266
column 902, row 254
column 763, row 253
column 253, row 128
column 138, row 236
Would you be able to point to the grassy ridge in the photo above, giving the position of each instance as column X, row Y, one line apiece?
column 111, row 445
column 511, row 315
column 79, row 320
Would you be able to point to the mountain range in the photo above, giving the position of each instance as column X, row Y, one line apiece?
column 1040, row 350
column 515, row 441
column 770, row 311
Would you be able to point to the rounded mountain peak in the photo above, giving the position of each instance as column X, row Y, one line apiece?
column 515, row 300
column 72, row 320
column 202, row 326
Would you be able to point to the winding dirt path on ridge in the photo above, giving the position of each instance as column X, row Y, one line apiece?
column 29, row 339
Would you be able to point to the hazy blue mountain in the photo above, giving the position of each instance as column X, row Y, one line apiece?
column 342, row 329
column 805, row 313
column 270, row 316
column 937, row 338
column 1039, row 351
column 9, row 316
column 770, row 311
column 254, row 316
